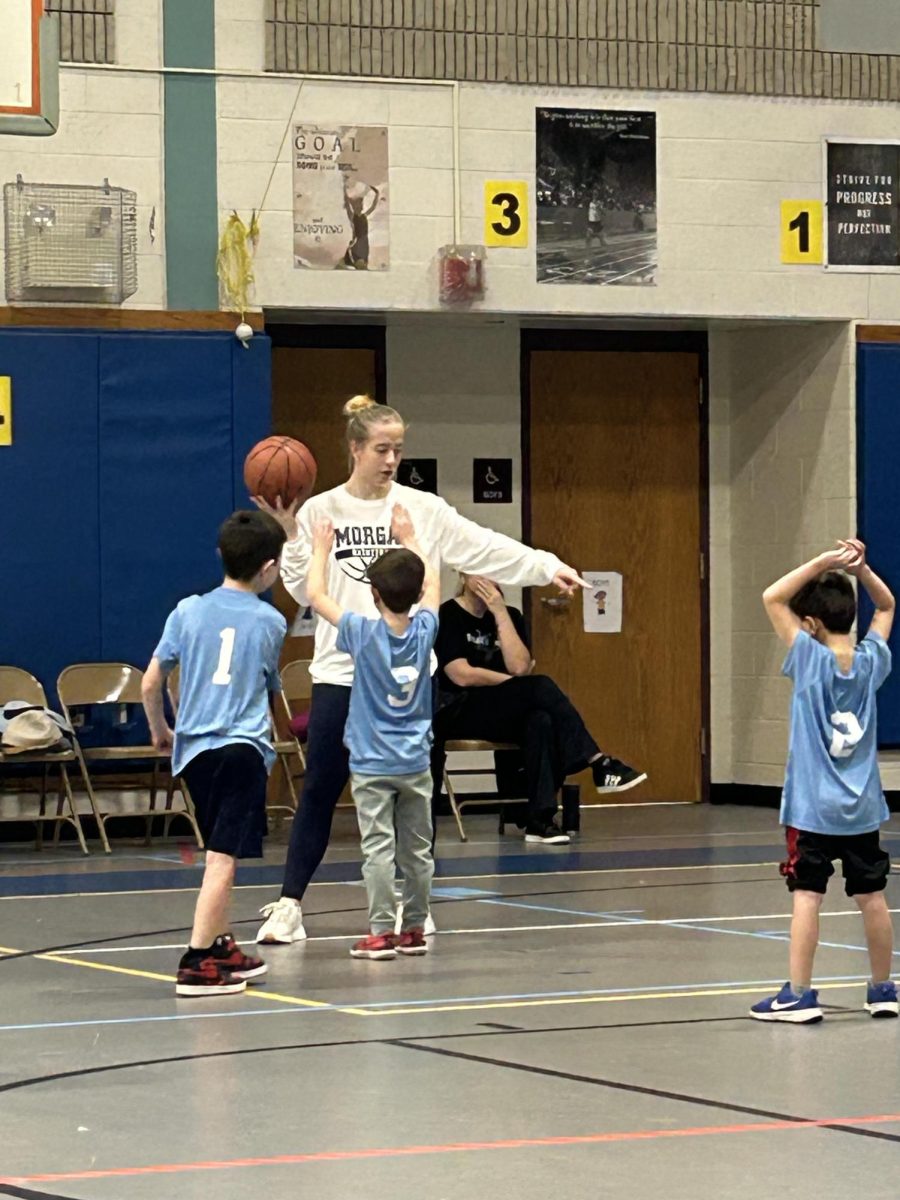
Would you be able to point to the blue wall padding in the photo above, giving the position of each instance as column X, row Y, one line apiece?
column 251, row 375
column 878, row 491
column 165, row 481
column 126, row 458
column 48, row 490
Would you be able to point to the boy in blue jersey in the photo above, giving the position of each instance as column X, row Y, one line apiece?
column 227, row 643
column 833, row 804
column 388, row 731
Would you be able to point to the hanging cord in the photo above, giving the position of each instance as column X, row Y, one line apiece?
column 238, row 242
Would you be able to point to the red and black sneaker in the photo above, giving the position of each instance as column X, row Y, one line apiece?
column 411, row 941
column 232, row 959
column 206, row 977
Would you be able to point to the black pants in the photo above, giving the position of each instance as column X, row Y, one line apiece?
column 533, row 713
column 327, row 771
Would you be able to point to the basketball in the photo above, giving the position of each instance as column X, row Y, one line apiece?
column 280, row 467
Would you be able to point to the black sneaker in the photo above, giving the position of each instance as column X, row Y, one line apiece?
column 549, row 833
column 206, row 977
column 612, row 775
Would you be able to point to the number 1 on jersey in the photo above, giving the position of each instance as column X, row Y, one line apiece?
column 223, row 670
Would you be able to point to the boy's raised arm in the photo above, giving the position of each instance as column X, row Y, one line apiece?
column 877, row 590
column 778, row 595
column 404, row 531
column 322, row 603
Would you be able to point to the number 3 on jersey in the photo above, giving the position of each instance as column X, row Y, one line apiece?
column 847, row 734
column 506, row 212
column 222, row 676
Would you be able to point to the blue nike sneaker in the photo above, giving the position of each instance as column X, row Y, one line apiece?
column 798, row 1010
column 881, row 1000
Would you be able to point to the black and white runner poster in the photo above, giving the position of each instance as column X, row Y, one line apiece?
column 596, row 196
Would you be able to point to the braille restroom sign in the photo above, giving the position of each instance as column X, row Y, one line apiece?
column 492, row 481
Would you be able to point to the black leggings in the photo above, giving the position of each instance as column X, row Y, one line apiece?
column 327, row 771
column 533, row 713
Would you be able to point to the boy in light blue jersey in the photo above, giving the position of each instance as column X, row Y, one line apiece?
column 227, row 644
column 833, row 805
column 388, row 731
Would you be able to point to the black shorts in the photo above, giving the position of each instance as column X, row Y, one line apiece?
column 228, row 788
column 809, row 864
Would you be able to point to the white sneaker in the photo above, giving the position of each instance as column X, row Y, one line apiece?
column 284, row 922
column 428, row 928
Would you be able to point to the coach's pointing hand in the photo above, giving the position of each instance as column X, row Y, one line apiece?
column 568, row 580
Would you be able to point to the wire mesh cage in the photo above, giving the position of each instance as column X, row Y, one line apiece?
column 69, row 243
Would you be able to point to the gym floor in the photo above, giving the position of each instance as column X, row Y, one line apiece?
column 578, row 1029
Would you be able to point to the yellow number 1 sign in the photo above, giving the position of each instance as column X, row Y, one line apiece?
column 506, row 212
column 801, row 231
column 5, row 410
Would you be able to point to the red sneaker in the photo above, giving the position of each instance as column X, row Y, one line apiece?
column 411, row 941
column 207, row 978
column 231, row 958
column 377, row 945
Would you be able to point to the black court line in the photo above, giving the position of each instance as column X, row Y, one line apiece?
column 640, row 1090
column 108, row 1068
column 18, row 1084
column 9, row 1189
column 334, row 912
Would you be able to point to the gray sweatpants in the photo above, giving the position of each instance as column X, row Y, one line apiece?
column 394, row 814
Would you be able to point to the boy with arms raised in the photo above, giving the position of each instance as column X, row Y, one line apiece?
column 833, row 804
column 227, row 644
column 388, row 731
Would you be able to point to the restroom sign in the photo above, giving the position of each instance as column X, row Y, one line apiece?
column 492, row 481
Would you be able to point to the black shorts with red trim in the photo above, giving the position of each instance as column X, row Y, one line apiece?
column 809, row 865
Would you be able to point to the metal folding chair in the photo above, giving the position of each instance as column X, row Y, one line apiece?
column 92, row 684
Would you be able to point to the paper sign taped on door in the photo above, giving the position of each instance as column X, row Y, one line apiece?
column 602, row 602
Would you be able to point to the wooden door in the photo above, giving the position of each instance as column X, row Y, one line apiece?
column 310, row 385
column 614, row 443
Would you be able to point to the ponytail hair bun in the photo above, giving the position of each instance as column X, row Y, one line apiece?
column 357, row 404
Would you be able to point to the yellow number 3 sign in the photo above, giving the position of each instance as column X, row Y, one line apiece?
column 505, row 212
column 801, row 231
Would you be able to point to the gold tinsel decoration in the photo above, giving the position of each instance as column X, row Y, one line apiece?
column 234, row 261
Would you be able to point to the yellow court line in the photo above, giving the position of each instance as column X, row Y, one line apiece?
column 546, row 1003
column 95, row 966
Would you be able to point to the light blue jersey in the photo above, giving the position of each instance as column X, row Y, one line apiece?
column 832, row 783
column 388, row 730
column 227, row 643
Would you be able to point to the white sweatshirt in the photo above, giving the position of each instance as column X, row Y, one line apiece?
column 362, row 531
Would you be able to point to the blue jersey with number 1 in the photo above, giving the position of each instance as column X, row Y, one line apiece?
column 227, row 643
column 388, row 729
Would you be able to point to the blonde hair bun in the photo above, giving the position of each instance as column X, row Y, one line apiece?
column 357, row 404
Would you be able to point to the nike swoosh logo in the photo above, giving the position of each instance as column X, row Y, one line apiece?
column 778, row 1007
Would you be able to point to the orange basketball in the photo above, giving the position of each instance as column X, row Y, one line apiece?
column 280, row 466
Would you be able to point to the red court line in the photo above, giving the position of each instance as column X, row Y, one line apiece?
column 320, row 1156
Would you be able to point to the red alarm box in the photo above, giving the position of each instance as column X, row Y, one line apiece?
column 461, row 274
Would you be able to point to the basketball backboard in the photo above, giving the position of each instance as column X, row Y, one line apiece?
column 29, row 69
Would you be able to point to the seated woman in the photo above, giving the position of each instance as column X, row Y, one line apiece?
column 487, row 690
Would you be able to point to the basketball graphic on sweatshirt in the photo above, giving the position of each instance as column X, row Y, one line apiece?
column 357, row 546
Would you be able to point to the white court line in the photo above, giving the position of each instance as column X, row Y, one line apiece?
column 632, row 924
column 347, row 883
